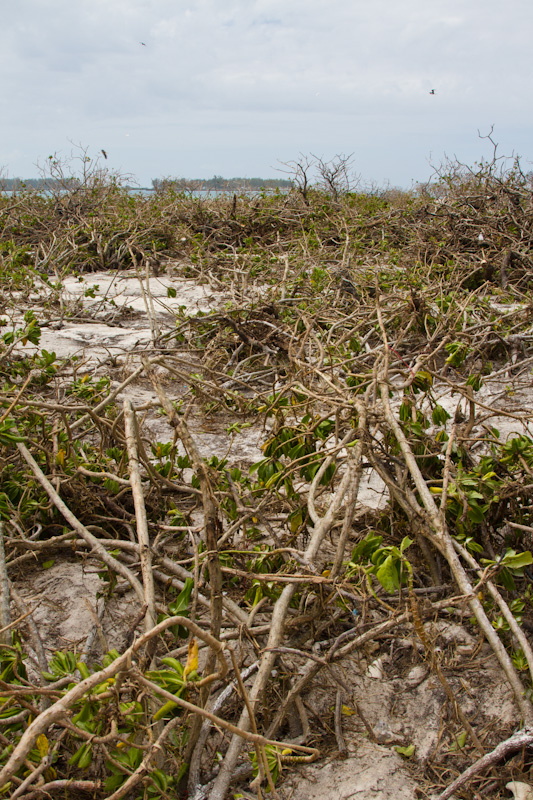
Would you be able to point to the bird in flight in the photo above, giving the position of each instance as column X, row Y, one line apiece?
column 143, row 44
column 432, row 91
column 103, row 152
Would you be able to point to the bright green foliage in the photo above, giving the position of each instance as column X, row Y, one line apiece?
column 180, row 607
column 30, row 333
column 12, row 667
column 273, row 760
column 61, row 664
column 387, row 563
column 172, row 680
column 92, row 718
column 294, row 449
column 458, row 352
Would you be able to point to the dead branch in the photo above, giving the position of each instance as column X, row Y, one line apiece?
column 517, row 741
column 140, row 514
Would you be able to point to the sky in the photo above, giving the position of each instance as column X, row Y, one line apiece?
column 194, row 88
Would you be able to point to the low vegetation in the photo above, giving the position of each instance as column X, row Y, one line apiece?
column 367, row 333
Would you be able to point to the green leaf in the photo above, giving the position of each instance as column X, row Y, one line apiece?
column 180, row 605
column 423, row 381
column 110, row 657
column 83, row 756
column 406, row 752
column 459, row 742
column 83, row 670
column 134, row 757
column 439, row 415
column 296, row 519
column 406, row 542
column 475, row 514
column 7, row 436
column 173, row 663
column 475, row 382
column 387, row 575
column 160, row 779
column 164, row 710
column 180, row 608
column 366, row 547
column 405, row 411
column 513, row 560
column 86, row 715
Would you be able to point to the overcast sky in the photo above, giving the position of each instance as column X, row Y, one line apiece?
column 233, row 87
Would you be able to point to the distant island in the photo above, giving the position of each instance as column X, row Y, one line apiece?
column 215, row 184
column 39, row 184
column 219, row 184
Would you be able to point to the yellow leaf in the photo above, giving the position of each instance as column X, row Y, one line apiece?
column 192, row 658
column 286, row 752
column 347, row 711
column 326, row 573
column 42, row 745
column 60, row 457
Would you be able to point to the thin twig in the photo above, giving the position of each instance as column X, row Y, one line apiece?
column 341, row 744
column 5, row 612
column 140, row 515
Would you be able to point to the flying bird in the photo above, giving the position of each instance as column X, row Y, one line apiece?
column 143, row 44
column 432, row 91
column 103, row 152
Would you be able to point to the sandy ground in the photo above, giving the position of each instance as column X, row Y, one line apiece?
column 399, row 696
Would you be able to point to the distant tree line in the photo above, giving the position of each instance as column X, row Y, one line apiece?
column 215, row 184
column 39, row 184
column 219, row 184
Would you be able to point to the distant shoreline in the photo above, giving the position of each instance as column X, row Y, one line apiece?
column 216, row 184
